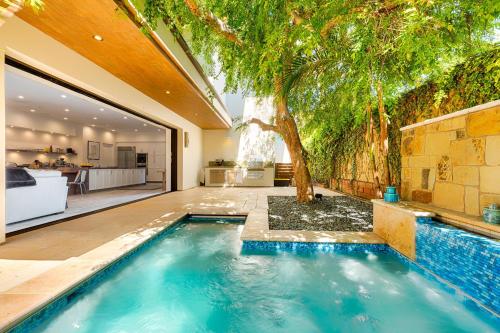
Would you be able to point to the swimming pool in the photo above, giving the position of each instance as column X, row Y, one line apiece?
column 196, row 278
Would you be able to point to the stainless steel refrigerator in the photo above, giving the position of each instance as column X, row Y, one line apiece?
column 126, row 157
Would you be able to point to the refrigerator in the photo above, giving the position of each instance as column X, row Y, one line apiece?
column 126, row 158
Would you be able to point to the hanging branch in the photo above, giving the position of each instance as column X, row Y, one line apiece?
column 214, row 22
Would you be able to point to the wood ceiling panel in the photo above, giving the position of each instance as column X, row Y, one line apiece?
column 126, row 52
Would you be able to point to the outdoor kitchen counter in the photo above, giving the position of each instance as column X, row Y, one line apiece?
column 238, row 176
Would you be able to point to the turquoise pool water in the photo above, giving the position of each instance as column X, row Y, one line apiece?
column 197, row 279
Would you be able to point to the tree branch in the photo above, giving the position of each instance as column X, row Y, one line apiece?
column 263, row 126
column 214, row 22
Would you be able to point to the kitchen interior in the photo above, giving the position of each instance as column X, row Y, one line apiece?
column 80, row 154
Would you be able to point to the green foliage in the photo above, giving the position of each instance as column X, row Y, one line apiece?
column 36, row 5
column 473, row 82
column 333, row 142
column 331, row 55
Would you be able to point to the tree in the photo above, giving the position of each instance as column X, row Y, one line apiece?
column 256, row 43
column 382, row 48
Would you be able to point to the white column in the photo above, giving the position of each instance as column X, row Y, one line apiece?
column 2, row 146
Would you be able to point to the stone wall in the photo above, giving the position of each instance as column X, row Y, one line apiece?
column 453, row 161
column 356, row 176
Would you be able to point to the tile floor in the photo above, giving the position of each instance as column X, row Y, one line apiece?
column 81, row 204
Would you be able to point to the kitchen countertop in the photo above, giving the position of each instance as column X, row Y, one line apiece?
column 237, row 167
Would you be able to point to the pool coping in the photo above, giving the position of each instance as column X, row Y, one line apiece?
column 462, row 221
column 257, row 229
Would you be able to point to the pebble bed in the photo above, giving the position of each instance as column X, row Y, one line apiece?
column 339, row 213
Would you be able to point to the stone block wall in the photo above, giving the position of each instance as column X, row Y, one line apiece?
column 453, row 161
column 356, row 175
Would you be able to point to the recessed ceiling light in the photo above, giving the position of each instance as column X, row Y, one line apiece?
column 93, row 125
column 65, row 118
column 20, row 97
column 95, row 118
column 144, row 125
column 167, row 92
column 136, row 130
column 63, row 96
column 98, row 38
column 32, row 110
column 125, row 118
column 113, row 130
column 66, row 110
column 101, row 109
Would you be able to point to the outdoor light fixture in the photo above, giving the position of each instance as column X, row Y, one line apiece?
column 98, row 38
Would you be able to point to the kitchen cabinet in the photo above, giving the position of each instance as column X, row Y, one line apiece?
column 100, row 179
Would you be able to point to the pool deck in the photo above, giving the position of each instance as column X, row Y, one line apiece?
column 38, row 266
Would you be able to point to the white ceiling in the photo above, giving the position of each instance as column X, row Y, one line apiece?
column 51, row 100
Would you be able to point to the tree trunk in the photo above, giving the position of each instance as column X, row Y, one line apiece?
column 384, row 139
column 287, row 129
column 371, row 151
column 290, row 134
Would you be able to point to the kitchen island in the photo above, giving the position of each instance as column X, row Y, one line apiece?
column 105, row 178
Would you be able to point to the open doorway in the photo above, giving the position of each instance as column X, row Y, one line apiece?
column 78, row 153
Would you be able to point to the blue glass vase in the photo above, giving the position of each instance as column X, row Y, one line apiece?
column 390, row 194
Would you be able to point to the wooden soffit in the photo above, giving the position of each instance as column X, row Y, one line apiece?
column 126, row 52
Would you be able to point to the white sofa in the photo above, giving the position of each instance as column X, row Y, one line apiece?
column 47, row 197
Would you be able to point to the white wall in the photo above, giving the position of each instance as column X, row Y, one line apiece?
column 2, row 147
column 31, row 46
column 107, row 146
column 233, row 145
column 37, row 131
column 18, row 138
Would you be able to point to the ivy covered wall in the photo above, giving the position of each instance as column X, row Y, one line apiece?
column 342, row 161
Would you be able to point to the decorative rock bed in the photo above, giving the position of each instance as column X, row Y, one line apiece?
column 340, row 213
